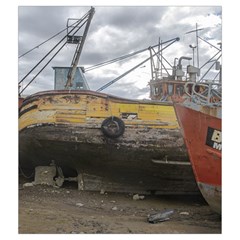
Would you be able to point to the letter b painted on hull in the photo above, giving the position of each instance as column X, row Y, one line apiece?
column 214, row 138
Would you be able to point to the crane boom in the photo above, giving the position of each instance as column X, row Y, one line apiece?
column 79, row 48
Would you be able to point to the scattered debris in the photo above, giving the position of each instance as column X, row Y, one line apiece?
column 79, row 204
column 138, row 197
column 102, row 191
column 30, row 184
column 160, row 216
column 114, row 208
column 55, row 191
column 184, row 213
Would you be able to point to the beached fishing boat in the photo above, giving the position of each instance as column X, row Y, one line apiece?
column 200, row 120
column 108, row 142
column 112, row 143
column 135, row 144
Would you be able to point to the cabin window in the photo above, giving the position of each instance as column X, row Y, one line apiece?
column 129, row 116
column 157, row 90
column 79, row 85
column 160, row 89
column 170, row 89
column 179, row 89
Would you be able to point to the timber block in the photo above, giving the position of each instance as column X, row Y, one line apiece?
column 45, row 175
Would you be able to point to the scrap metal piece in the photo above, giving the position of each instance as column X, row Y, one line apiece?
column 160, row 216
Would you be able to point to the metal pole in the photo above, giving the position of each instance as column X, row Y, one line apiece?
column 158, row 64
column 161, row 60
column 197, row 45
column 193, row 48
column 193, row 56
column 151, row 62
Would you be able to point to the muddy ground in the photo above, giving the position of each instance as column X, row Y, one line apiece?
column 45, row 209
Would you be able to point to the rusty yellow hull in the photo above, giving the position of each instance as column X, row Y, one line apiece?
column 66, row 126
column 91, row 108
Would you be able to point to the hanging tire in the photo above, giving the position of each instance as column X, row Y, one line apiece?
column 113, row 127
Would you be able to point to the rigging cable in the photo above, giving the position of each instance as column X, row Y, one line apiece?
column 122, row 57
column 210, row 60
column 130, row 70
column 50, row 38
column 209, row 68
column 43, row 68
column 113, row 60
column 161, row 61
column 43, row 43
column 51, row 51
column 209, row 43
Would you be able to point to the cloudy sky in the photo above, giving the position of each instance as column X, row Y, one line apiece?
column 115, row 31
column 131, row 30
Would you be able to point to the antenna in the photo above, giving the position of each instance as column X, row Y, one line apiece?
column 196, row 30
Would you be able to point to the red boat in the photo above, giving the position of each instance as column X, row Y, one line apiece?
column 199, row 117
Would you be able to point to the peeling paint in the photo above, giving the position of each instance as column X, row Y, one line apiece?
column 67, row 126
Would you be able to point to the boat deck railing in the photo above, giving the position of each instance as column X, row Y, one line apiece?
column 209, row 94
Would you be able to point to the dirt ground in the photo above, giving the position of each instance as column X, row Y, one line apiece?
column 66, row 210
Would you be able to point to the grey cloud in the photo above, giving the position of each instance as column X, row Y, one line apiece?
column 114, row 31
column 130, row 18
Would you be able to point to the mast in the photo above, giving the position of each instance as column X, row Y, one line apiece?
column 79, row 48
column 196, row 31
column 197, row 45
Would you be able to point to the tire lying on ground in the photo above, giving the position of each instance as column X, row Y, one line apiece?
column 113, row 127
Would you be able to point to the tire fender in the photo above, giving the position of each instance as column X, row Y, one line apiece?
column 113, row 127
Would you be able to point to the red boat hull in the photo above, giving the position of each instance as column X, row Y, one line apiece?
column 201, row 129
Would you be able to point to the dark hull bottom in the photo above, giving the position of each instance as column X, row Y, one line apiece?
column 134, row 162
column 213, row 196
